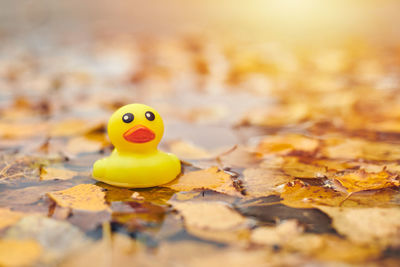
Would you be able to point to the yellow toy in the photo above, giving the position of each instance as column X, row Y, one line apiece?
column 135, row 131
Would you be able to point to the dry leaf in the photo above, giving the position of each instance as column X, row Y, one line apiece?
column 84, row 197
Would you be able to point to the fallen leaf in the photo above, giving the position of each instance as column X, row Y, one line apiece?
column 8, row 217
column 56, row 238
column 84, row 197
column 49, row 173
column 283, row 144
column 259, row 182
column 77, row 145
column 212, row 220
column 355, row 148
column 239, row 157
column 19, row 252
column 211, row 178
column 293, row 167
column 299, row 195
column 361, row 180
column 70, row 127
column 186, row 150
column 289, row 236
column 380, row 226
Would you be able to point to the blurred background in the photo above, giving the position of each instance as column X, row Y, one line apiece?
column 276, row 63
column 285, row 20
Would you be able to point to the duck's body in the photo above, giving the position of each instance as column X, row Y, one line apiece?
column 135, row 130
column 137, row 170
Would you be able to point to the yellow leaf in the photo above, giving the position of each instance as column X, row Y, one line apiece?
column 299, row 195
column 355, row 148
column 282, row 144
column 19, row 252
column 211, row 178
column 293, row 167
column 83, row 197
column 361, row 180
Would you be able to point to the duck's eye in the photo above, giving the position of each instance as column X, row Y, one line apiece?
column 150, row 116
column 128, row 117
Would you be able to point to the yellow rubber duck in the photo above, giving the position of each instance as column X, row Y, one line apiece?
column 135, row 131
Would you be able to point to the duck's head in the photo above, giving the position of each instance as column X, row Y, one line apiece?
column 135, row 128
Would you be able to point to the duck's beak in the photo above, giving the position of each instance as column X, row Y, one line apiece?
column 139, row 134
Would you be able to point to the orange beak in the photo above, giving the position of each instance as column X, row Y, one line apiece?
column 139, row 134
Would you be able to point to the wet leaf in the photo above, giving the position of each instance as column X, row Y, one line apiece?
column 361, row 180
column 259, row 182
column 211, row 178
column 82, row 197
column 212, row 220
column 378, row 226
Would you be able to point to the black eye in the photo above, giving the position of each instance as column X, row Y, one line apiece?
column 128, row 117
column 150, row 116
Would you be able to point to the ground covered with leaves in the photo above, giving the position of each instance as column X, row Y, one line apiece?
column 290, row 156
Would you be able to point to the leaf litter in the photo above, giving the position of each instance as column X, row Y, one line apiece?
column 281, row 167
